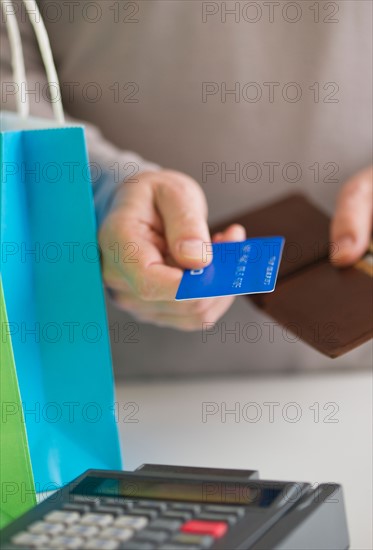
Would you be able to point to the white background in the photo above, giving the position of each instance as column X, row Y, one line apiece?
column 165, row 426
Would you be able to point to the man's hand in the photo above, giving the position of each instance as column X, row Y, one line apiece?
column 351, row 228
column 156, row 228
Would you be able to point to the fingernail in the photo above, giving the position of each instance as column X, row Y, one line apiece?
column 242, row 232
column 192, row 249
column 345, row 242
column 343, row 245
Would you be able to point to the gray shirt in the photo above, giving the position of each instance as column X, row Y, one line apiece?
column 253, row 99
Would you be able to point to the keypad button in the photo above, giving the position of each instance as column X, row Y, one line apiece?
column 68, row 543
column 201, row 541
column 137, row 545
column 45, row 528
column 101, row 544
column 116, row 501
column 216, row 529
column 155, row 537
column 84, row 499
column 100, row 520
column 30, row 539
column 218, row 517
column 165, row 524
column 177, row 514
column 156, row 504
column 131, row 522
column 77, row 507
column 239, row 511
column 79, row 530
column 187, row 507
column 115, row 510
column 58, row 516
column 116, row 533
column 151, row 513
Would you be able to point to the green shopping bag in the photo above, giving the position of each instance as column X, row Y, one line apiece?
column 17, row 492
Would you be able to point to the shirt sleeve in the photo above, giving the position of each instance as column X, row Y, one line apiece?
column 110, row 166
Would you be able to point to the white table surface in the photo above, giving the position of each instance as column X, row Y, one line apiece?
column 161, row 422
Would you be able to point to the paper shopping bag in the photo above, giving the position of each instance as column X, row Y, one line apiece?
column 16, row 481
column 55, row 303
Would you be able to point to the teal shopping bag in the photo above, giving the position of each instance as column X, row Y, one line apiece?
column 54, row 299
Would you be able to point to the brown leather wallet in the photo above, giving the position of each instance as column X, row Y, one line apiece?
column 329, row 308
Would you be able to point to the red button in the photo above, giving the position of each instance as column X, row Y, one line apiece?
column 215, row 529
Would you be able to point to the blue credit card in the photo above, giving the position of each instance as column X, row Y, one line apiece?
column 246, row 267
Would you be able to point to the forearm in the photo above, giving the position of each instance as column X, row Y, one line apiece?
column 110, row 167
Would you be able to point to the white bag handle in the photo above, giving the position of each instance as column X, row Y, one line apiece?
column 17, row 55
column 18, row 62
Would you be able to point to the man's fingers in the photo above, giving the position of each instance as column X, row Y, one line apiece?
column 352, row 223
column 196, row 322
column 186, row 316
column 150, row 278
column 130, row 302
column 235, row 232
column 182, row 206
column 143, row 269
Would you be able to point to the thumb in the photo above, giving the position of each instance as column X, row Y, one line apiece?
column 352, row 223
column 182, row 206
